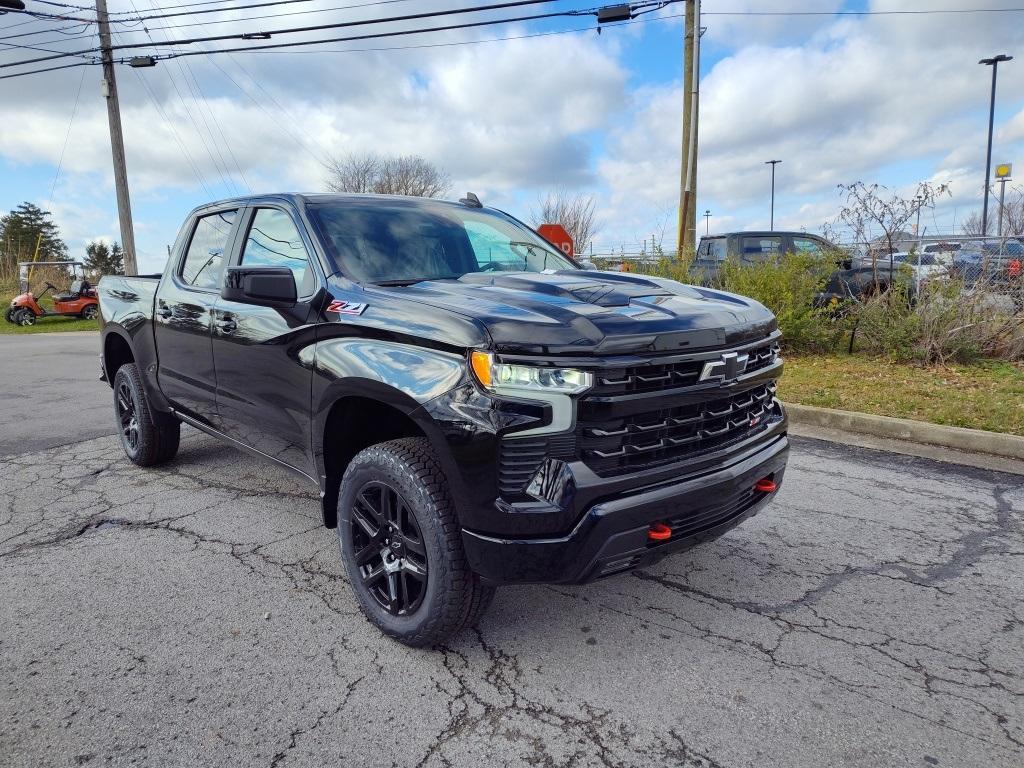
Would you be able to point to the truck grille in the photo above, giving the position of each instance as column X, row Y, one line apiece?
column 651, row 438
column 650, row 378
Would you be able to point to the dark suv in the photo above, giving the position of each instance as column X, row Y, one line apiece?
column 851, row 277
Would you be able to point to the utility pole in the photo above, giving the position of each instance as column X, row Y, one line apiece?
column 707, row 222
column 994, row 63
column 124, row 205
column 772, row 163
column 686, row 231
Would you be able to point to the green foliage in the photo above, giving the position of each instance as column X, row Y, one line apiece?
column 102, row 259
column 20, row 230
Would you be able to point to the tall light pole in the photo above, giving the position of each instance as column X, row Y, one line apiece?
column 994, row 63
column 772, row 163
column 707, row 222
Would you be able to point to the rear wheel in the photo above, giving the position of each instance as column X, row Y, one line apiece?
column 25, row 317
column 91, row 311
column 402, row 545
column 147, row 436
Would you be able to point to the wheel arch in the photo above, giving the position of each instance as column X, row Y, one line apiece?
column 357, row 413
column 117, row 351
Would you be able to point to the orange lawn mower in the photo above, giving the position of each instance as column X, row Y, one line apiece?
column 79, row 301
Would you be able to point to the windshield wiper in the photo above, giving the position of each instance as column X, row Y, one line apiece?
column 404, row 281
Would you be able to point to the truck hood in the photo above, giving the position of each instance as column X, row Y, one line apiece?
column 591, row 312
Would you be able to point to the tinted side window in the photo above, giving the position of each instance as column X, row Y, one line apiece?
column 807, row 245
column 758, row 246
column 713, row 250
column 274, row 241
column 204, row 260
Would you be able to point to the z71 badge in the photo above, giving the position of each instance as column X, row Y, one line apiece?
column 346, row 308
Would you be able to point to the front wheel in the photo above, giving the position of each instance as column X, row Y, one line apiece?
column 147, row 436
column 25, row 317
column 10, row 313
column 402, row 545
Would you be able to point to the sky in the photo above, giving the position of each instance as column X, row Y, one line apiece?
column 515, row 111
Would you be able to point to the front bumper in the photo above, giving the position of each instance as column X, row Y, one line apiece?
column 612, row 534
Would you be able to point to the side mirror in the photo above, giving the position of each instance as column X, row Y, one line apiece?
column 263, row 286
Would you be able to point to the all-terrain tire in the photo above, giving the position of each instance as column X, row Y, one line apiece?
column 25, row 317
column 147, row 436
column 90, row 311
column 453, row 597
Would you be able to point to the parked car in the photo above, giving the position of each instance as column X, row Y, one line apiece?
column 997, row 262
column 852, row 277
column 474, row 407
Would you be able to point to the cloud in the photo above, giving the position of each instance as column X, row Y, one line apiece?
column 875, row 99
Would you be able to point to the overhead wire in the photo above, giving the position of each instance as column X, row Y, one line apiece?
column 205, row 113
column 321, row 27
column 67, row 135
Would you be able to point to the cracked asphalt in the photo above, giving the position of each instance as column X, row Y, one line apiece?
column 197, row 614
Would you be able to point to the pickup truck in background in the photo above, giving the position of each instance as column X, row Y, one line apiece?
column 475, row 408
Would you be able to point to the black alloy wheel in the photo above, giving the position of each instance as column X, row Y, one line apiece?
column 389, row 548
column 127, row 416
column 91, row 311
column 25, row 317
column 401, row 545
column 148, row 436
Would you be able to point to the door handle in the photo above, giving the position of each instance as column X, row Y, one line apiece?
column 164, row 311
column 226, row 325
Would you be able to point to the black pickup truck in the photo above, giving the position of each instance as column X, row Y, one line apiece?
column 475, row 407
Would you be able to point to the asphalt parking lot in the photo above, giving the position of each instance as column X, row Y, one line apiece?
column 197, row 614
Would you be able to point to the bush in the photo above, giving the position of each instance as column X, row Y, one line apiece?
column 946, row 323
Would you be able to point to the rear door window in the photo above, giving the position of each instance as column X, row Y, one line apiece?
column 757, row 249
column 204, row 260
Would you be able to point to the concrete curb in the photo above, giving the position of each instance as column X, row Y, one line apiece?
column 958, row 438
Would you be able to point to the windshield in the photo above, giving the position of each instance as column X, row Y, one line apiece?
column 397, row 241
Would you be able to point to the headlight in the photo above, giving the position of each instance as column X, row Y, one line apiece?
column 508, row 377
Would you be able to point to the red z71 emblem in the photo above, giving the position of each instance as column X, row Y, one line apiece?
column 346, row 308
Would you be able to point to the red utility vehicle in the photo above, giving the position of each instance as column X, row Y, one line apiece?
column 79, row 301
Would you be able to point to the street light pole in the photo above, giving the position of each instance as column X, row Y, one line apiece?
column 994, row 63
column 707, row 222
column 772, row 163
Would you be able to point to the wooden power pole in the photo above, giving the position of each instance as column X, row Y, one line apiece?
column 124, row 204
column 686, row 232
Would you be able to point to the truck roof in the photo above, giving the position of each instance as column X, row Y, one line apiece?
column 322, row 197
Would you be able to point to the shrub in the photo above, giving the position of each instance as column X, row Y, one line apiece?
column 947, row 322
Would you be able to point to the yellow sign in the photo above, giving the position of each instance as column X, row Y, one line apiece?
column 1003, row 170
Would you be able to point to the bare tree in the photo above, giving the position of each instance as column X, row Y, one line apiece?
column 574, row 211
column 1012, row 215
column 381, row 175
column 870, row 208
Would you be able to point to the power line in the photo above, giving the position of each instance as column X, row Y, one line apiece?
column 203, row 105
column 316, row 27
column 375, row 36
column 67, row 135
column 211, row 22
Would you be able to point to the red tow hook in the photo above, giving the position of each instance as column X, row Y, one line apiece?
column 659, row 532
column 765, row 485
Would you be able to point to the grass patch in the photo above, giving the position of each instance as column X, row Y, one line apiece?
column 50, row 325
column 987, row 395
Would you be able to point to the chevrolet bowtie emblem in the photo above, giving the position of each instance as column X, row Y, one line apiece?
column 729, row 367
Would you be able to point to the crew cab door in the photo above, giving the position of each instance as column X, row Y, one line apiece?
column 183, row 314
column 262, row 354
